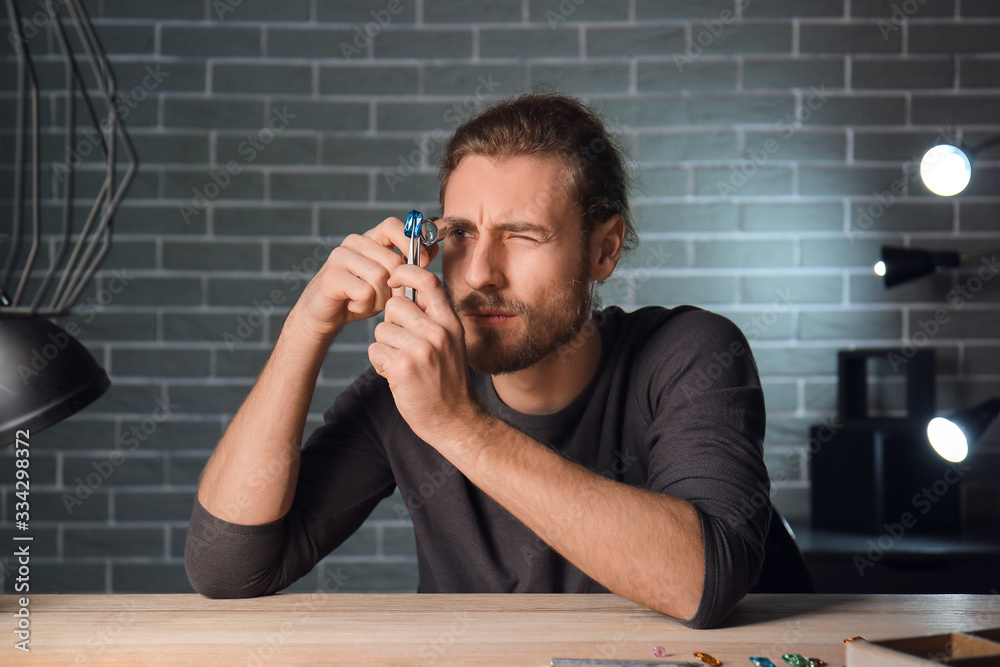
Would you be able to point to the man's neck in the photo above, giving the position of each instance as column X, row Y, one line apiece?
column 555, row 381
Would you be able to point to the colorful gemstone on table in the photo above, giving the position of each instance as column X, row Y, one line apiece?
column 796, row 660
column 762, row 662
column 707, row 659
column 817, row 662
column 659, row 651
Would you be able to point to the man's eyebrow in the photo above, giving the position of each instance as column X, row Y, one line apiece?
column 515, row 226
column 457, row 223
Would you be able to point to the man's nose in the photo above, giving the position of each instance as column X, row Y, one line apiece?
column 484, row 271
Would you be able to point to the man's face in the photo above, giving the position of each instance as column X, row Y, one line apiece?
column 515, row 261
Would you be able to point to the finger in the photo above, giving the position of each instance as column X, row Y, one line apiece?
column 431, row 296
column 402, row 312
column 379, row 355
column 365, row 270
column 394, row 337
column 362, row 297
column 389, row 234
column 430, row 252
column 364, row 245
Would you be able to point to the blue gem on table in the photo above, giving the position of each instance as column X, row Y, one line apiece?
column 762, row 662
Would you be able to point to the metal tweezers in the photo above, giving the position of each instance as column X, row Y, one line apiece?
column 420, row 232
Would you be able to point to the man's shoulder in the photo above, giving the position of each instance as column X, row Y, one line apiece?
column 679, row 325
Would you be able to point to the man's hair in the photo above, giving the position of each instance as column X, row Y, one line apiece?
column 552, row 125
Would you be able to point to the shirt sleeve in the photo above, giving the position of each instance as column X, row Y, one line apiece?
column 343, row 474
column 706, row 410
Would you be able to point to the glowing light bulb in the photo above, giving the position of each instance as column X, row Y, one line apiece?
column 880, row 268
column 945, row 170
column 947, row 439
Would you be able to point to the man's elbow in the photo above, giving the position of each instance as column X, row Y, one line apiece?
column 697, row 614
column 214, row 577
column 682, row 602
column 689, row 608
column 214, row 584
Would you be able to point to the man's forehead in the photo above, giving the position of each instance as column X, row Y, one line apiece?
column 509, row 191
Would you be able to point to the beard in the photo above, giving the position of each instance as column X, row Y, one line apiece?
column 545, row 327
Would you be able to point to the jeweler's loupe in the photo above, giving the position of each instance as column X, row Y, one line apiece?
column 418, row 227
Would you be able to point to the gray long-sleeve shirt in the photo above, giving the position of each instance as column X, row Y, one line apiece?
column 675, row 407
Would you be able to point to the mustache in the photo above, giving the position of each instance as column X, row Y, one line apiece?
column 491, row 301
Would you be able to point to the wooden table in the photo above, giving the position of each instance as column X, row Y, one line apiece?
column 457, row 629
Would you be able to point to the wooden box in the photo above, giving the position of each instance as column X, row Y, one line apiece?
column 973, row 649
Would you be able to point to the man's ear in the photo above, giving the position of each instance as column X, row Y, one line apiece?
column 606, row 241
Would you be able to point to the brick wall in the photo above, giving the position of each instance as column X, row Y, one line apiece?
column 776, row 153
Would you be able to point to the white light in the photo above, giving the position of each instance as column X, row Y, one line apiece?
column 945, row 170
column 947, row 439
column 880, row 268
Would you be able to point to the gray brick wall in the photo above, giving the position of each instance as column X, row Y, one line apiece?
column 274, row 129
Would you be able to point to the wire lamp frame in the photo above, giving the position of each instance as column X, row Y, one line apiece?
column 80, row 250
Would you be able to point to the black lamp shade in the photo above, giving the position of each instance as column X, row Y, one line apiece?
column 975, row 420
column 903, row 264
column 46, row 375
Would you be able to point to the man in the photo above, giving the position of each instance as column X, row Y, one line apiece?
column 539, row 446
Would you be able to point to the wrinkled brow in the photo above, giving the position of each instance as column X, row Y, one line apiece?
column 513, row 226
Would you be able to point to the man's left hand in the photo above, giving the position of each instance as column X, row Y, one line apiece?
column 420, row 350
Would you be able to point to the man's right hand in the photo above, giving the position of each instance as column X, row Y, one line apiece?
column 251, row 477
column 352, row 284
